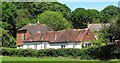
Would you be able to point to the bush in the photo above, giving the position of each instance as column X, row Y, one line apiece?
column 93, row 52
column 8, row 51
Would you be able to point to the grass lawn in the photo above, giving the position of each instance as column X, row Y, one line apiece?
column 7, row 59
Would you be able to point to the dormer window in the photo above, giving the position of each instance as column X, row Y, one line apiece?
column 23, row 36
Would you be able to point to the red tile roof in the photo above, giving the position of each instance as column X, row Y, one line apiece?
column 36, row 28
column 72, row 35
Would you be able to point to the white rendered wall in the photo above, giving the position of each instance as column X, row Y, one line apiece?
column 41, row 45
column 56, row 45
column 67, row 45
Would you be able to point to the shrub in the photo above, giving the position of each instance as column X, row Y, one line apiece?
column 26, row 52
column 93, row 52
column 8, row 51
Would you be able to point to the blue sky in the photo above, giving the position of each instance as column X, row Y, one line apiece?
column 88, row 5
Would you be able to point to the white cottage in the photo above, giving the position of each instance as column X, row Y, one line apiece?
column 44, row 37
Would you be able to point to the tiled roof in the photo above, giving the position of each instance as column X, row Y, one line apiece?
column 36, row 28
column 72, row 35
column 96, row 27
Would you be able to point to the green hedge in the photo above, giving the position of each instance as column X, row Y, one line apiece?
column 76, row 53
column 104, row 52
column 93, row 52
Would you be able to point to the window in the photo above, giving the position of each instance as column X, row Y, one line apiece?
column 62, row 46
column 87, row 44
column 23, row 36
column 35, row 46
column 45, row 46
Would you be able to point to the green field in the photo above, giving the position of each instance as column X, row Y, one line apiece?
column 7, row 59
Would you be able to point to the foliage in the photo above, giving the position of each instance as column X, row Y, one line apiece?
column 109, row 14
column 54, row 20
column 94, row 16
column 52, row 6
column 80, row 17
column 8, row 15
column 7, row 39
column 94, row 52
column 111, row 33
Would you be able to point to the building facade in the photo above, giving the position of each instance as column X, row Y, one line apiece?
column 44, row 37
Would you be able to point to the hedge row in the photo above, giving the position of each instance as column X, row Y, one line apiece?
column 95, row 52
column 45, row 52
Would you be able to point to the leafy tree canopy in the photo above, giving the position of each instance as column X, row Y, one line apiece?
column 7, row 39
column 111, row 33
column 80, row 17
column 109, row 14
column 54, row 20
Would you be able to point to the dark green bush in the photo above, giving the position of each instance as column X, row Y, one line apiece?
column 8, row 51
column 93, row 52
column 26, row 52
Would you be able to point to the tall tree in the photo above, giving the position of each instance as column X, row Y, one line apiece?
column 52, row 6
column 23, row 18
column 94, row 16
column 80, row 17
column 111, row 33
column 54, row 20
column 7, row 39
column 109, row 14
column 8, row 15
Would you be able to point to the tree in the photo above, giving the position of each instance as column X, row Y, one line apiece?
column 7, row 39
column 109, row 14
column 94, row 16
column 23, row 18
column 54, row 20
column 52, row 6
column 111, row 33
column 80, row 18
column 36, row 8
column 8, row 15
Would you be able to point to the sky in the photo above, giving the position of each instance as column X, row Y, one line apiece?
column 89, row 5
